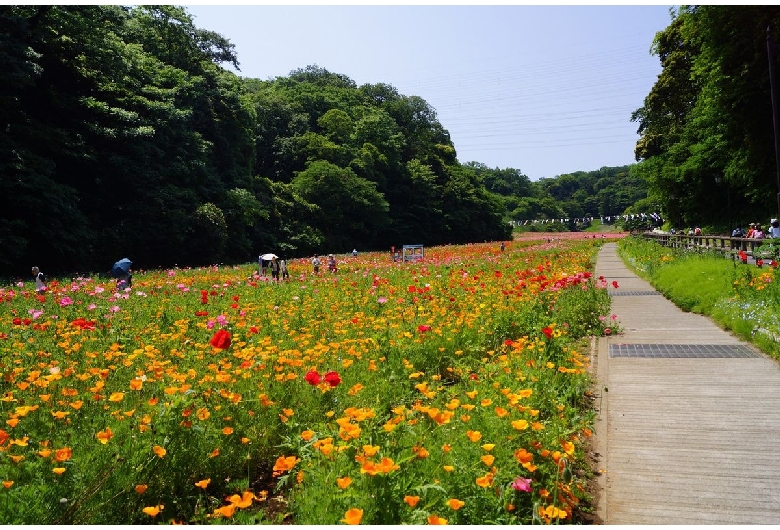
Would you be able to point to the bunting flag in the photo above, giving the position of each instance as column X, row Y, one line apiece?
column 605, row 219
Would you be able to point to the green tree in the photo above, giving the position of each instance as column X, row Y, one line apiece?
column 352, row 211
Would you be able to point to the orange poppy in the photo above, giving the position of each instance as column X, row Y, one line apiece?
column 105, row 436
column 343, row 482
column 226, row 511
column 242, row 501
column 353, row 516
column 411, row 500
column 159, row 451
column 284, row 463
column 152, row 511
column 203, row 483
column 61, row 455
column 307, row 435
column 456, row 504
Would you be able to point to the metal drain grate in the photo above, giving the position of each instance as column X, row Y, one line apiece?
column 682, row 351
column 617, row 292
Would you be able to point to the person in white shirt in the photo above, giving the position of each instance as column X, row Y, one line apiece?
column 40, row 280
column 774, row 228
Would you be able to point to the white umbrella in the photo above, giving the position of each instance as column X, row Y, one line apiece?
column 268, row 257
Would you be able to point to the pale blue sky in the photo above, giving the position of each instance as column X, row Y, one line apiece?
column 543, row 89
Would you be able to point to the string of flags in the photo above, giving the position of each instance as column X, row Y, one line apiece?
column 609, row 219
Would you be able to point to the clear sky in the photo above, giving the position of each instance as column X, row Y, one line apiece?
column 544, row 89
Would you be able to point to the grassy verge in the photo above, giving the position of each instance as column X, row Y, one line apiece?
column 742, row 298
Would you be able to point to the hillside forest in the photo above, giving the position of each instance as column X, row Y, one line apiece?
column 124, row 134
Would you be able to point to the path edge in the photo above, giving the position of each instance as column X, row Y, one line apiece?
column 600, row 352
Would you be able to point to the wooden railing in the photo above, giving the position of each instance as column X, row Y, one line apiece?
column 725, row 244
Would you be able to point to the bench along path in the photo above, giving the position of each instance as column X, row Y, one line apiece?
column 689, row 416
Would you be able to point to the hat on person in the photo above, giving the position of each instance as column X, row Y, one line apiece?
column 772, row 221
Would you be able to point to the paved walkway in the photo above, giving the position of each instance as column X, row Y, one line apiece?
column 689, row 416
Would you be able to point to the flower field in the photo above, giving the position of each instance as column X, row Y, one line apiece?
column 449, row 390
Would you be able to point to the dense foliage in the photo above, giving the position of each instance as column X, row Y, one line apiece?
column 123, row 136
column 707, row 142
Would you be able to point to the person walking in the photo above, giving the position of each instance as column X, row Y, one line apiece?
column 316, row 264
column 275, row 269
column 774, row 228
column 40, row 280
column 283, row 268
column 331, row 263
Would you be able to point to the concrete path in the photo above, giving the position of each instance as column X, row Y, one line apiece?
column 689, row 417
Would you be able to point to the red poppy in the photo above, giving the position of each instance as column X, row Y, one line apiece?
column 313, row 377
column 221, row 339
column 204, row 296
column 548, row 332
column 83, row 324
column 615, row 284
column 201, row 313
column 332, row 378
column 423, row 328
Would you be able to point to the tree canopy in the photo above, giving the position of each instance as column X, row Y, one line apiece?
column 707, row 144
column 123, row 135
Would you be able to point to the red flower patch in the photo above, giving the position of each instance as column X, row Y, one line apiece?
column 221, row 340
column 313, row 377
column 83, row 324
column 332, row 378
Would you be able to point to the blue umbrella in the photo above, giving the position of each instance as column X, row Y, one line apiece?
column 121, row 268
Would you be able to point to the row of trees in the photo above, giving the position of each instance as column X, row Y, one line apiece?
column 122, row 135
column 707, row 142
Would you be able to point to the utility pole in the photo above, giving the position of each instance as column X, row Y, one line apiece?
column 771, row 49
